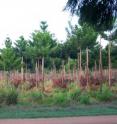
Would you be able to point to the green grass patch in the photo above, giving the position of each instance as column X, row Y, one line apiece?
column 33, row 111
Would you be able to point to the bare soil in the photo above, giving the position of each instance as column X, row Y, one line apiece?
column 68, row 120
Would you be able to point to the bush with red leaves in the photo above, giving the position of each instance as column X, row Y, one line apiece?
column 34, row 80
column 16, row 80
column 83, row 81
column 62, row 82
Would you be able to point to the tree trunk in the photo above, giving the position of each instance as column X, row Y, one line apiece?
column 37, row 74
column 80, row 60
column 43, row 86
column 22, row 70
column 87, row 66
column 95, row 70
column 109, row 65
column 100, row 65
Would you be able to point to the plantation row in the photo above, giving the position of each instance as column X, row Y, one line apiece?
column 60, row 79
column 57, row 88
column 72, row 95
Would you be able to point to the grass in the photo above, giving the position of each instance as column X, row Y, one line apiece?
column 34, row 111
column 59, row 103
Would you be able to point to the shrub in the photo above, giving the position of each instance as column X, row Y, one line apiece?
column 48, row 100
column 2, row 96
column 60, row 98
column 35, row 97
column 11, row 96
column 105, row 94
column 84, row 98
column 79, row 96
column 72, row 86
column 83, row 81
column 75, row 94
column 8, row 95
column 61, row 82
column 16, row 80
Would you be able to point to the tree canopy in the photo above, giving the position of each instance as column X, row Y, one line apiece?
column 42, row 43
column 8, row 59
column 101, row 14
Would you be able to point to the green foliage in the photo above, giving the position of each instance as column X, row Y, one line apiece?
column 101, row 14
column 2, row 96
column 35, row 97
column 43, row 26
column 60, row 98
column 73, row 86
column 104, row 95
column 42, row 42
column 8, row 43
column 11, row 96
column 21, row 47
column 74, row 94
column 82, row 37
column 114, row 56
column 71, row 64
column 8, row 95
column 84, row 98
column 8, row 58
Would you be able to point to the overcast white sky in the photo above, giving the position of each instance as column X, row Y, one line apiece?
column 21, row 17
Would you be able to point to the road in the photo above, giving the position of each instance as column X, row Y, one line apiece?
column 66, row 120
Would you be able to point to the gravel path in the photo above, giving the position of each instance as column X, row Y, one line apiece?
column 68, row 120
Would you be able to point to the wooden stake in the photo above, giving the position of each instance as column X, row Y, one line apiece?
column 36, row 75
column 80, row 60
column 78, row 68
column 87, row 66
column 100, row 64
column 95, row 69
column 69, row 70
column 43, row 87
column 109, row 65
column 54, row 67
column 22, row 70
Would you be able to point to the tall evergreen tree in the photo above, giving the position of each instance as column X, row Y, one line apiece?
column 8, row 59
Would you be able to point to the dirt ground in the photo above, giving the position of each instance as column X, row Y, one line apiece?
column 68, row 120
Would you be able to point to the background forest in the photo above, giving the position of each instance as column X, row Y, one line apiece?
column 43, row 43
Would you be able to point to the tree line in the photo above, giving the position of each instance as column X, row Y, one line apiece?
column 43, row 44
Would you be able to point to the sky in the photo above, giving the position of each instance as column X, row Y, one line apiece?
column 22, row 17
